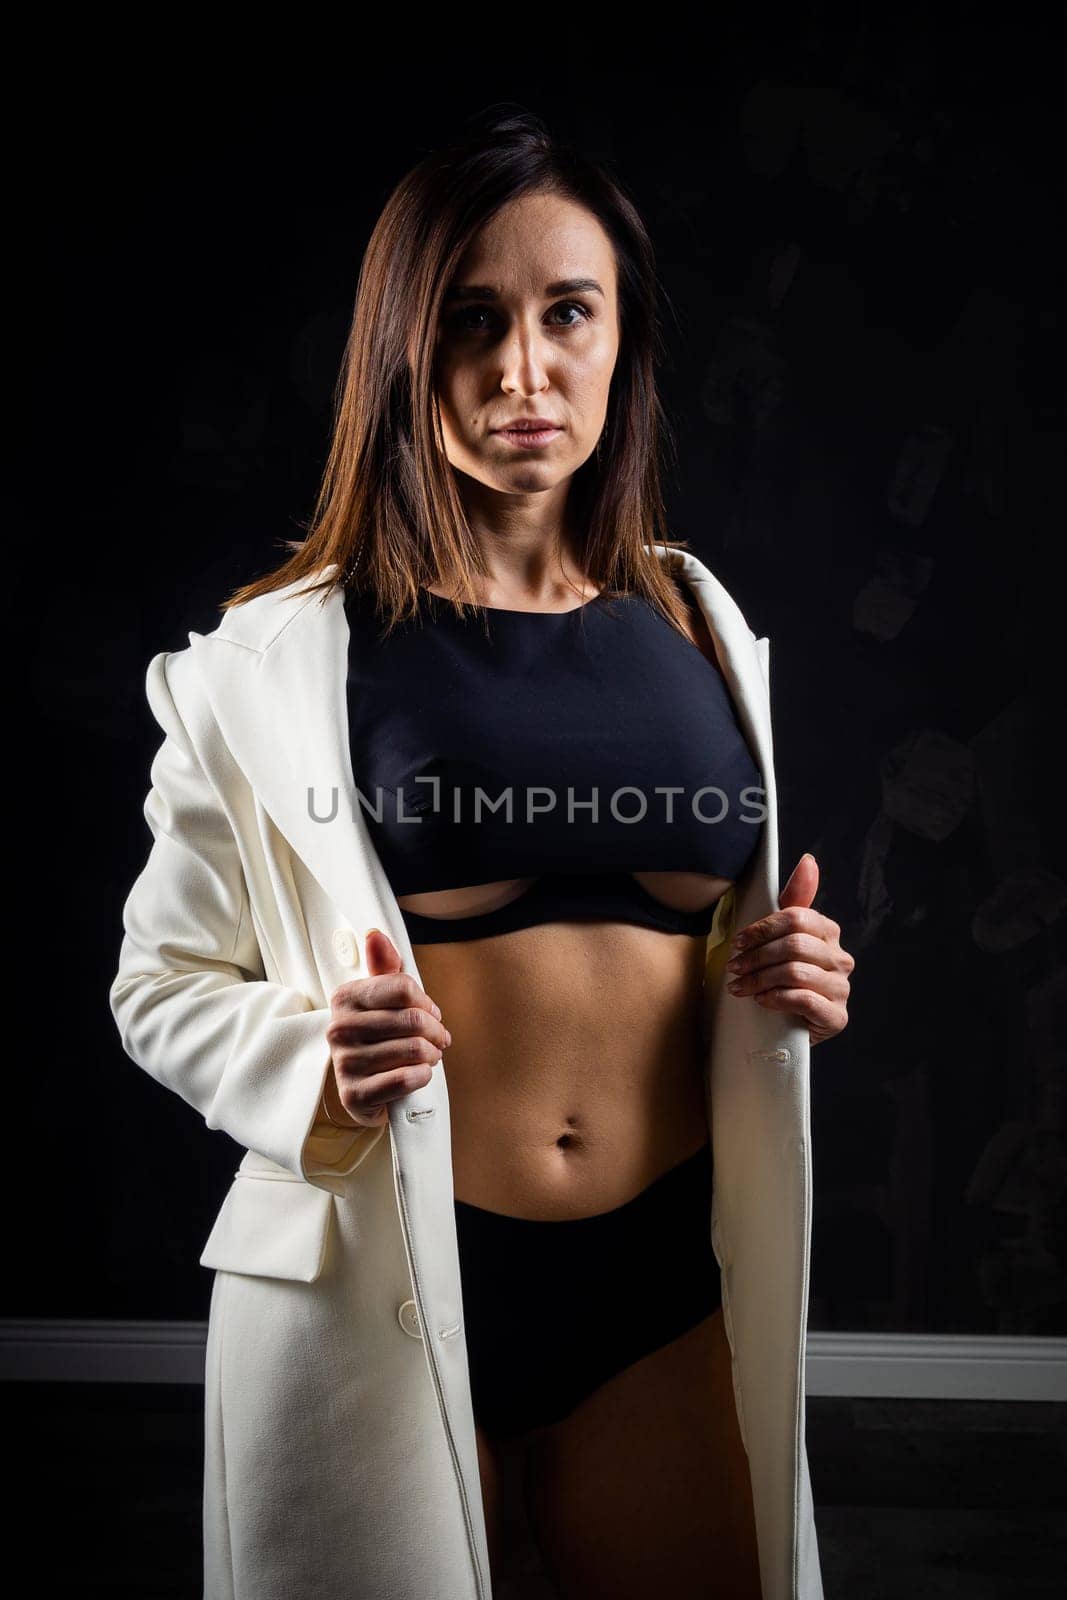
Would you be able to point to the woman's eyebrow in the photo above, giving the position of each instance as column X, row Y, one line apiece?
column 483, row 291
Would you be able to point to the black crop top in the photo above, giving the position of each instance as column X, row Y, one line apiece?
column 544, row 751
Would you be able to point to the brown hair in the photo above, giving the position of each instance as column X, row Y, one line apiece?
column 388, row 512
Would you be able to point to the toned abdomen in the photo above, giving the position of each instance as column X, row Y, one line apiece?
column 575, row 1075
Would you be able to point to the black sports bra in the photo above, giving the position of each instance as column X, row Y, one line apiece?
column 572, row 747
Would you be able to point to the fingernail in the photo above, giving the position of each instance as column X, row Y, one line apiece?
column 448, row 1037
column 741, row 941
column 436, row 1009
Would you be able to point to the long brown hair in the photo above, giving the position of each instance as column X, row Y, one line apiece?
column 388, row 512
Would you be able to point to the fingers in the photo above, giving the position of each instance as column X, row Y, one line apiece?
column 386, row 991
column 823, row 1017
column 385, row 1037
column 793, row 976
column 374, row 1028
column 795, row 947
column 791, row 919
column 792, row 961
column 381, row 953
column 367, row 1099
column 364, row 1086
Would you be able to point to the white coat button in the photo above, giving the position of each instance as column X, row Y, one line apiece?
column 346, row 947
column 408, row 1318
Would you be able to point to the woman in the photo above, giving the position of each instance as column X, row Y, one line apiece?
column 525, row 1274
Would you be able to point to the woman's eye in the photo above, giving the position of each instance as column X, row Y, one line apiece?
column 459, row 320
column 462, row 318
column 572, row 305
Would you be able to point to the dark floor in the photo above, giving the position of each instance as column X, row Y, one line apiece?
column 915, row 1500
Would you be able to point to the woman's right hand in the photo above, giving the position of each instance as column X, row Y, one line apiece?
column 385, row 1036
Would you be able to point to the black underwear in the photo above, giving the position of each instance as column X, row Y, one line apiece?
column 554, row 1309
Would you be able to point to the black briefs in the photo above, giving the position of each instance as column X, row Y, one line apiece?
column 552, row 1310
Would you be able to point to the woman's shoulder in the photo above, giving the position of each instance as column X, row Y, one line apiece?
column 694, row 621
column 257, row 622
column 695, row 579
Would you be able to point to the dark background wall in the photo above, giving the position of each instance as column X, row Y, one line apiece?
column 856, row 228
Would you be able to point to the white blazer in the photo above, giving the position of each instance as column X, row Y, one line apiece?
column 340, row 1451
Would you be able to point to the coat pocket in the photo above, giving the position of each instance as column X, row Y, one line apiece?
column 271, row 1225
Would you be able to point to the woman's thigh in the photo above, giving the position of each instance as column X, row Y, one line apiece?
column 644, row 1489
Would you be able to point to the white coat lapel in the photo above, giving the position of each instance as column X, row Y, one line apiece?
column 738, row 654
column 276, row 676
column 735, row 648
column 278, row 690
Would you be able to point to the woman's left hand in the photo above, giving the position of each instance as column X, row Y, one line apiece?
column 792, row 960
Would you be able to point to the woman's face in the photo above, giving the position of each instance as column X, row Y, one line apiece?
column 529, row 328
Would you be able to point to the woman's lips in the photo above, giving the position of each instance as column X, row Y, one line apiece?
column 527, row 438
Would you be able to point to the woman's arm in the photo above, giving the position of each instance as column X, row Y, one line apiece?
column 190, row 998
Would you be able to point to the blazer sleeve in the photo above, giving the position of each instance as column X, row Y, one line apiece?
column 190, row 998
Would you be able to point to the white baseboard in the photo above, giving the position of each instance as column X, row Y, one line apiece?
column 858, row 1365
column 70, row 1349
column 918, row 1366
